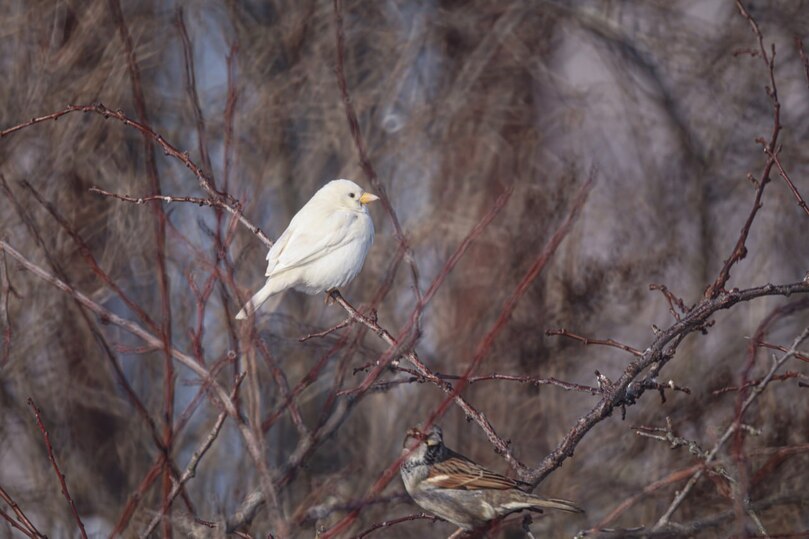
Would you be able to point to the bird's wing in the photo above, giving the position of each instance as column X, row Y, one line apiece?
column 458, row 472
column 307, row 240
column 276, row 250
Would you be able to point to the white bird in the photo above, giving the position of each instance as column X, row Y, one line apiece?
column 324, row 246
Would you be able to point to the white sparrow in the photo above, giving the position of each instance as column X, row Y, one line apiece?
column 324, row 246
column 461, row 491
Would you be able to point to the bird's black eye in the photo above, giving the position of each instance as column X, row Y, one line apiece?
column 352, row 195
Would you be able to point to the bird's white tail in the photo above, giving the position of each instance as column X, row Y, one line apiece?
column 258, row 299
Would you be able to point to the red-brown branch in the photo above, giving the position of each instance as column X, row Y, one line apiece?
column 788, row 375
column 740, row 249
column 388, row 523
column 59, row 474
column 674, row 477
column 804, row 59
column 672, row 300
column 562, row 332
column 27, row 527
column 799, row 199
column 359, row 143
column 205, row 182
column 501, row 446
column 782, row 348
column 160, row 246
column 7, row 290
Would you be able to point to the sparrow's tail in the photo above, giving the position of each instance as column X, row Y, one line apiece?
column 532, row 501
column 551, row 503
column 258, row 299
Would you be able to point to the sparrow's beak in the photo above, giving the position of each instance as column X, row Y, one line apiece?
column 368, row 197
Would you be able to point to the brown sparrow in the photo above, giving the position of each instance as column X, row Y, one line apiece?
column 461, row 491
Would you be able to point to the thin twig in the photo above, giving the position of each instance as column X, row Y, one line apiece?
column 30, row 529
column 674, row 477
column 698, row 527
column 672, row 300
column 59, row 474
column 13, row 524
column 234, row 206
column 91, row 324
column 6, row 290
column 535, row 381
column 191, row 90
column 359, row 143
column 788, row 375
column 251, row 442
column 562, row 332
column 740, row 249
column 347, row 322
column 388, row 523
column 804, row 59
column 196, row 457
column 774, row 156
column 757, row 390
column 781, row 348
column 160, row 222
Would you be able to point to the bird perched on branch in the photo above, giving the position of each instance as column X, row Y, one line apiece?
column 324, row 246
column 459, row 490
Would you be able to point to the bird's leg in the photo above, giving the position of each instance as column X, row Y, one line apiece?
column 330, row 299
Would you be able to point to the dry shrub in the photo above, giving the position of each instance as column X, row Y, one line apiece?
column 456, row 102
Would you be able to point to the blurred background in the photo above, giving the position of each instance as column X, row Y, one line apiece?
column 456, row 102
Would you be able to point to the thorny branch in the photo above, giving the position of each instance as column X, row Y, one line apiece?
column 757, row 390
column 660, row 352
column 740, row 249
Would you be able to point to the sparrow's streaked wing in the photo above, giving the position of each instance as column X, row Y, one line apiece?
column 458, row 472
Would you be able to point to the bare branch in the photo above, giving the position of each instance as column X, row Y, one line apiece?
column 59, row 474
column 757, row 390
column 27, row 527
column 388, row 523
column 774, row 156
column 562, row 332
column 252, row 443
column 365, row 162
column 234, row 206
column 740, row 249
column 672, row 300
column 196, row 457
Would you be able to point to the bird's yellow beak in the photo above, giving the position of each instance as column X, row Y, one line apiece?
column 368, row 197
